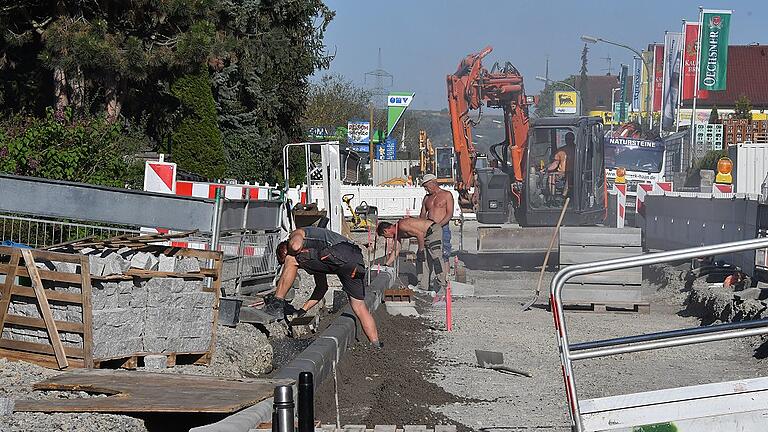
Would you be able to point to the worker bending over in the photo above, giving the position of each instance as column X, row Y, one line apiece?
column 429, row 236
column 321, row 252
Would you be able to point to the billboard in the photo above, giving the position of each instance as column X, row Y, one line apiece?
column 713, row 56
column 566, row 103
column 397, row 103
column 358, row 132
column 673, row 57
column 387, row 150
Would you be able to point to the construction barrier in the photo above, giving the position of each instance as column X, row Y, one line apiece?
column 621, row 204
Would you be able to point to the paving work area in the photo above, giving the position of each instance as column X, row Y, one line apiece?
column 428, row 375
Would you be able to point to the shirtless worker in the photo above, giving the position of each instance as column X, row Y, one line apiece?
column 437, row 206
column 562, row 165
column 427, row 234
column 321, row 252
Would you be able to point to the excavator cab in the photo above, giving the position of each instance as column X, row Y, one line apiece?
column 545, row 188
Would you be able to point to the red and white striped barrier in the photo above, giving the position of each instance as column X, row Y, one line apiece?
column 621, row 203
column 722, row 188
column 644, row 189
column 229, row 191
column 160, row 177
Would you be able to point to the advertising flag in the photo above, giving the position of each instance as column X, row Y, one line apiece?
column 713, row 57
column 637, row 76
column 645, row 91
column 658, row 76
column 397, row 103
column 672, row 59
column 690, row 53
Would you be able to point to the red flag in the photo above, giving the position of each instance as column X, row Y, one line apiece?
column 689, row 62
column 658, row 76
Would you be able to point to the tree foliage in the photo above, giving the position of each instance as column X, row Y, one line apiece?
column 196, row 141
column 333, row 101
column 743, row 108
column 60, row 146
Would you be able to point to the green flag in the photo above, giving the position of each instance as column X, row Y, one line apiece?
column 397, row 103
column 713, row 55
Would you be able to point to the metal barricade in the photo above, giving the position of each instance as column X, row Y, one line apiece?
column 248, row 256
column 594, row 349
column 39, row 233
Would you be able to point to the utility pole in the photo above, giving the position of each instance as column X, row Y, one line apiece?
column 370, row 139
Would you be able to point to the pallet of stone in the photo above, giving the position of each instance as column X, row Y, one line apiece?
column 154, row 361
column 579, row 245
column 109, row 308
column 45, row 308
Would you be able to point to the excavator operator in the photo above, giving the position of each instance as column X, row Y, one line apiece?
column 560, row 171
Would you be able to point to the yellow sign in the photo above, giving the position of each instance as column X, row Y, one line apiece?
column 566, row 103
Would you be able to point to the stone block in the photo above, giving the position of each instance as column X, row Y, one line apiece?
column 751, row 294
column 6, row 406
column 193, row 285
column 96, row 265
column 138, row 298
column 154, row 344
column 166, row 263
column 156, row 361
column 44, row 265
column 114, row 264
column 175, row 284
column 87, row 251
column 65, row 267
column 144, row 261
column 187, row 265
column 158, row 292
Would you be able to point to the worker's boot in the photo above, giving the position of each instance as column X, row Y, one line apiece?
column 276, row 308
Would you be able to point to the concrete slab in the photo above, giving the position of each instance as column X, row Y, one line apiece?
column 459, row 289
column 401, row 308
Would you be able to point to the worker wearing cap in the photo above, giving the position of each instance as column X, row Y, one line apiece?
column 437, row 206
column 321, row 252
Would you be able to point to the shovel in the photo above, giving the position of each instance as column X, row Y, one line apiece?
column 495, row 360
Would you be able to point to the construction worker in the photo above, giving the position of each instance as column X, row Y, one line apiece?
column 429, row 236
column 437, row 206
column 321, row 252
column 561, row 169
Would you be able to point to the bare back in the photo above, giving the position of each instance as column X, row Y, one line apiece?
column 412, row 227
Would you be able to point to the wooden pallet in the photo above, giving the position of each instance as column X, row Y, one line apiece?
column 267, row 426
column 137, row 360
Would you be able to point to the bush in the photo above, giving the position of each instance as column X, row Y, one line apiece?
column 197, row 145
column 62, row 147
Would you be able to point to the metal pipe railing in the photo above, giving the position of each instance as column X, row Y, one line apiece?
column 558, row 283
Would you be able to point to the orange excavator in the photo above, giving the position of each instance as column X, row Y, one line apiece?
column 518, row 180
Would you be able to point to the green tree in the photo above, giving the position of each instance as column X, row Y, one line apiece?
column 334, row 100
column 743, row 108
column 714, row 116
column 584, row 79
column 197, row 145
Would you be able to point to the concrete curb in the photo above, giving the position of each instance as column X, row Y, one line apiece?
column 317, row 358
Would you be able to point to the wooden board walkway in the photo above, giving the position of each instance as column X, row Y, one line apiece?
column 134, row 392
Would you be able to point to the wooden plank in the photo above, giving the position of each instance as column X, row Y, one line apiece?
column 42, row 302
column 570, row 254
column 141, row 392
column 616, row 277
column 45, row 360
column 55, row 256
column 600, row 236
column 66, row 326
column 68, row 243
column 52, row 295
column 87, row 309
column 50, row 275
column 575, row 293
column 5, row 294
column 39, row 348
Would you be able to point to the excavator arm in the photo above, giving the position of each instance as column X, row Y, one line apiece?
column 468, row 88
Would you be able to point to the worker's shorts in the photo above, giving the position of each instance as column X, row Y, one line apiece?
column 345, row 260
column 446, row 241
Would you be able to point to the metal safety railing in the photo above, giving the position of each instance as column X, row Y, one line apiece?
column 593, row 349
column 40, row 233
column 249, row 256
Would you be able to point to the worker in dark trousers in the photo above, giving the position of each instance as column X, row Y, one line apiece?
column 321, row 252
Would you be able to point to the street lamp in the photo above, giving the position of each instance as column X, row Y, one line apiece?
column 593, row 39
column 547, row 81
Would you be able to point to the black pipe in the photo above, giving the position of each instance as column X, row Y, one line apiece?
column 306, row 402
column 283, row 409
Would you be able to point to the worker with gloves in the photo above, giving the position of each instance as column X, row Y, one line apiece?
column 428, row 234
column 321, row 252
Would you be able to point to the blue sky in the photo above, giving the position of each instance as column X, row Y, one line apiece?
column 423, row 40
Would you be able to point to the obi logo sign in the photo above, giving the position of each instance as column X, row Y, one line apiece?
column 401, row 101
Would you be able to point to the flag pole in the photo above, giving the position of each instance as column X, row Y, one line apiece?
column 665, row 71
column 680, row 82
column 696, row 83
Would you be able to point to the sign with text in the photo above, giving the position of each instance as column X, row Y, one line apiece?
column 713, row 58
column 358, row 132
column 566, row 103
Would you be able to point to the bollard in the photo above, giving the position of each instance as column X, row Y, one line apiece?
column 448, row 306
column 282, row 414
column 306, row 402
